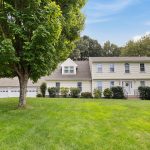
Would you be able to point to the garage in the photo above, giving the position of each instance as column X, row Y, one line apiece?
column 10, row 88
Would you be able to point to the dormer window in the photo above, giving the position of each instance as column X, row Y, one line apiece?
column 68, row 69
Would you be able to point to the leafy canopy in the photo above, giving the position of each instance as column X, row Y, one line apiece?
column 35, row 35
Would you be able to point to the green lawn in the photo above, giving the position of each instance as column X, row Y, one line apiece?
column 75, row 124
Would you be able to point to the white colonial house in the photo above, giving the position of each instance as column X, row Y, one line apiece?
column 98, row 72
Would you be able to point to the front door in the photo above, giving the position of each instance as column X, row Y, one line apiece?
column 127, row 86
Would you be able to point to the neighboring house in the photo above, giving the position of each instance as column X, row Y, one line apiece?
column 98, row 72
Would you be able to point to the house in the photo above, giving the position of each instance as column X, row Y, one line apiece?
column 98, row 72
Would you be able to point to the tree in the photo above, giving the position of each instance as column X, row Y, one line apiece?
column 35, row 35
column 137, row 48
column 86, row 47
column 110, row 50
column 43, row 89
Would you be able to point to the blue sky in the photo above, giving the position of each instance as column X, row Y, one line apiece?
column 117, row 20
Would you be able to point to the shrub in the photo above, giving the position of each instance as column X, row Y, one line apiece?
column 74, row 92
column 64, row 91
column 52, row 91
column 97, row 93
column 43, row 89
column 118, row 92
column 86, row 95
column 144, row 92
column 39, row 95
column 108, row 93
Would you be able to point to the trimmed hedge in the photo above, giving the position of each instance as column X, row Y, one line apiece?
column 144, row 92
column 52, row 91
column 117, row 92
column 86, row 95
column 108, row 93
column 97, row 93
column 64, row 91
column 74, row 92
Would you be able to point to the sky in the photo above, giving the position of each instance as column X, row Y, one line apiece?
column 117, row 20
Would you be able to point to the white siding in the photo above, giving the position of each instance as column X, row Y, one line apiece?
column 86, row 85
column 133, row 89
column 120, row 71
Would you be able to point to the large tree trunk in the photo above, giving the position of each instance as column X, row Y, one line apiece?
column 23, row 80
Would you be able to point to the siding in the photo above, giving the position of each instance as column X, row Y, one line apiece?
column 86, row 85
column 134, row 88
column 120, row 71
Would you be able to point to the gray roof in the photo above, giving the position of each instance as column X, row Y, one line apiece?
column 83, row 73
column 9, row 82
column 119, row 59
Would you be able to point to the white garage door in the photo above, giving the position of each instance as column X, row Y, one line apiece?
column 3, row 92
column 14, row 92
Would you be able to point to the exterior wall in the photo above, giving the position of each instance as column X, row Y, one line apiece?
column 14, row 92
column 134, row 84
column 86, row 85
column 120, row 71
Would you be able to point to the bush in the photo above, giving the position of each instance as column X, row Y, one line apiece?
column 74, row 92
column 52, row 91
column 43, row 89
column 118, row 92
column 39, row 95
column 108, row 93
column 144, row 92
column 97, row 93
column 86, row 95
column 64, row 91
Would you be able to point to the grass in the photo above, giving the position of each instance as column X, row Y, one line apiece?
column 75, row 124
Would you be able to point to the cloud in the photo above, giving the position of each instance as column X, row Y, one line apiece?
column 103, row 11
column 138, row 37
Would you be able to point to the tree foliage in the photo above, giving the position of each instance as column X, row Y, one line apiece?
column 137, row 48
column 87, row 47
column 110, row 50
column 35, row 35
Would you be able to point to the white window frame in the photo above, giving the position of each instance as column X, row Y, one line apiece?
column 142, row 67
column 69, row 70
column 112, row 68
column 79, row 85
column 142, row 83
column 100, row 85
column 127, row 67
column 112, row 85
column 99, row 68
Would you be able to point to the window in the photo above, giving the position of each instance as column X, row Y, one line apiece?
column 127, row 68
column 142, row 83
column 79, row 85
column 112, row 67
column 69, row 69
column 112, row 83
column 142, row 67
column 66, row 70
column 99, row 85
column 58, row 86
column 99, row 68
